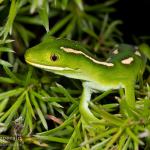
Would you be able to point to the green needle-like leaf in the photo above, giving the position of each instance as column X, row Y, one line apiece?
column 64, row 4
column 29, row 106
column 12, row 75
column 3, row 104
column 68, row 30
column 44, row 13
column 75, row 139
column 40, row 114
column 24, row 33
column 12, row 110
column 63, row 125
column 12, row 14
column 10, row 93
column 110, row 28
column 59, row 25
column 114, row 138
column 5, row 63
column 5, row 49
column 29, row 120
column 133, row 136
column 52, row 139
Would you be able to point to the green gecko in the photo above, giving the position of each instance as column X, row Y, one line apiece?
column 71, row 59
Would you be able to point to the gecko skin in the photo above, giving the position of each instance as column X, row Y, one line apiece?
column 71, row 59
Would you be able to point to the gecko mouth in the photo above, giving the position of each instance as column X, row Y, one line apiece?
column 46, row 67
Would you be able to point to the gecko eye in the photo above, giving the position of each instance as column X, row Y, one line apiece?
column 54, row 57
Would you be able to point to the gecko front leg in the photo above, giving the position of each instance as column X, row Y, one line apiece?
column 86, row 114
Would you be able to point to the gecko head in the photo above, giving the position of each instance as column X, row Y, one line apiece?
column 50, row 56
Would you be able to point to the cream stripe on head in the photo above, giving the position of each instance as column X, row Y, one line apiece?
column 137, row 53
column 127, row 61
column 50, row 67
column 70, row 50
column 115, row 51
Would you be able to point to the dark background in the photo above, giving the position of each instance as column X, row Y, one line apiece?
column 135, row 15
